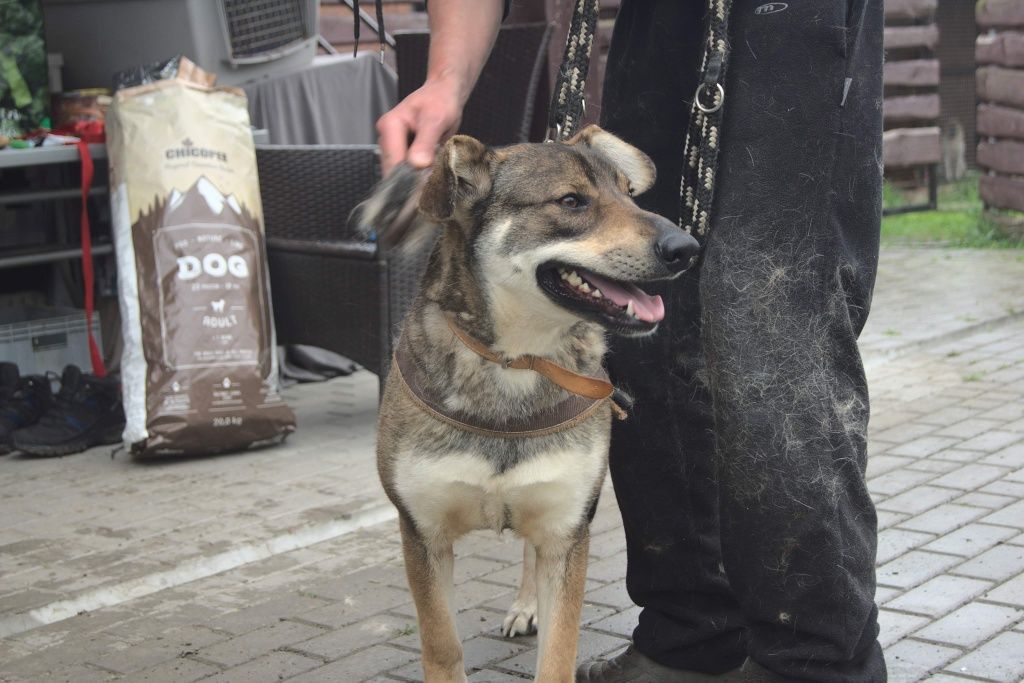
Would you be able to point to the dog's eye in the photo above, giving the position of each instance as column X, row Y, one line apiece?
column 571, row 201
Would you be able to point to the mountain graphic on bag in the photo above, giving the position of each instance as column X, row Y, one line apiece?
column 199, row 372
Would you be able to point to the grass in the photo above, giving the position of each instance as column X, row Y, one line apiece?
column 959, row 220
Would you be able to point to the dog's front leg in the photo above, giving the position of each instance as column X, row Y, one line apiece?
column 429, row 567
column 522, row 615
column 561, row 574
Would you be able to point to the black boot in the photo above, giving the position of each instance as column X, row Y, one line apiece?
column 631, row 666
column 87, row 412
column 23, row 400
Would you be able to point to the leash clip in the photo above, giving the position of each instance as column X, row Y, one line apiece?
column 716, row 102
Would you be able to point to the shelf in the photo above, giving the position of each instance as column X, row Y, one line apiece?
column 31, row 258
column 38, row 156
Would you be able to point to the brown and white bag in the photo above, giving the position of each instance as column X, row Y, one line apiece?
column 199, row 371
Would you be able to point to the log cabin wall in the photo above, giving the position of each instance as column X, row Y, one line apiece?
column 912, row 140
column 1000, row 58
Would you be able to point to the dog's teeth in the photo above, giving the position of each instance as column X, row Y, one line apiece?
column 629, row 308
column 585, row 288
column 565, row 275
column 596, row 293
column 575, row 279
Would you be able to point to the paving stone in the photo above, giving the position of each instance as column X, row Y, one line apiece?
column 923, row 446
column 591, row 645
column 354, row 609
column 347, row 639
column 997, row 564
column 613, row 595
column 359, row 666
column 893, row 626
column 969, row 477
column 939, row 595
column 912, row 660
column 887, row 518
column 172, row 671
column 491, row 676
column 970, row 540
column 255, row 643
column 609, row 568
column 897, row 481
column 620, row 624
column 894, row 542
column 1001, row 659
column 477, row 653
column 1011, row 456
column 1012, row 515
column 1005, row 488
column 934, row 466
column 974, row 426
column 250, row 618
column 943, row 518
column 1010, row 593
column 919, row 499
column 971, row 624
column 990, row 441
column 880, row 464
column 914, row 567
column 984, row 500
column 275, row 666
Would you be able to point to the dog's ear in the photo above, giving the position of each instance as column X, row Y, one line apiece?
column 461, row 173
column 634, row 164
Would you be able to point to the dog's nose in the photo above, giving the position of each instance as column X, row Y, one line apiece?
column 676, row 248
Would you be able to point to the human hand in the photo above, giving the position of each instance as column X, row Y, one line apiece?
column 430, row 114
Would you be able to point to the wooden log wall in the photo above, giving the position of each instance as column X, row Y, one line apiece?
column 1000, row 82
column 912, row 139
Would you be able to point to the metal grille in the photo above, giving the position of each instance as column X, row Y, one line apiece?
column 256, row 27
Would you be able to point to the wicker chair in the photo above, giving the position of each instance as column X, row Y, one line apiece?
column 330, row 288
column 500, row 110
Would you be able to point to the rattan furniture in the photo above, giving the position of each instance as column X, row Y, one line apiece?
column 330, row 288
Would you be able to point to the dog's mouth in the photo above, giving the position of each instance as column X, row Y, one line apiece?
column 622, row 306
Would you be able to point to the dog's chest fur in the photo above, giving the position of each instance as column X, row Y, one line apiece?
column 545, row 495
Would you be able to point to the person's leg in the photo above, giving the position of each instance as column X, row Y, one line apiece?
column 662, row 456
column 785, row 288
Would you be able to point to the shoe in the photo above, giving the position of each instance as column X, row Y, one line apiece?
column 633, row 667
column 86, row 412
column 23, row 400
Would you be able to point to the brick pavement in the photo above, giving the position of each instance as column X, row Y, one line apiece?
column 946, row 471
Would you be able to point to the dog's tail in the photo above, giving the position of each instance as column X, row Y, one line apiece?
column 390, row 214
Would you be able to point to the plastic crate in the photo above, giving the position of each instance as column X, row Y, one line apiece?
column 39, row 339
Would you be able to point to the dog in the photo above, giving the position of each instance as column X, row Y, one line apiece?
column 497, row 412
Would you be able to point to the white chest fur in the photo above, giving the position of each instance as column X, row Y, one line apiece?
column 543, row 498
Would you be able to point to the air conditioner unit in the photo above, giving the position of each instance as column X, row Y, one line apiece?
column 239, row 40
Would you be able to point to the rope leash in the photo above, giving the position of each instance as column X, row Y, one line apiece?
column 703, row 137
column 703, row 134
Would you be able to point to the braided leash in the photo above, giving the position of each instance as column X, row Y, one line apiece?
column 568, row 104
column 700, row 154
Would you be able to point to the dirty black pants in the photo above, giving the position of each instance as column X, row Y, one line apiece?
column 740, row 475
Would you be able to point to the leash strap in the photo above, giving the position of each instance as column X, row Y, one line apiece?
column 98, row 368
column 594, row 388
column 703, row 137
column 568, row 104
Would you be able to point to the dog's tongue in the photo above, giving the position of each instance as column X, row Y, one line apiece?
column 648, row 308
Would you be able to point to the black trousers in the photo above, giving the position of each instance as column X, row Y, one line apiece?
column 740, row 475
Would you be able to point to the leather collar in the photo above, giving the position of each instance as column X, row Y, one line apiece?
column 587, row 394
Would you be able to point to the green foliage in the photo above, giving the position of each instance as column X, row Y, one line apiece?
column 959, row 220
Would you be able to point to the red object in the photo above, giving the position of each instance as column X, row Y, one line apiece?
column 88, row 132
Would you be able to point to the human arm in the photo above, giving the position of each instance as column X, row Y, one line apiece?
column 462, row 33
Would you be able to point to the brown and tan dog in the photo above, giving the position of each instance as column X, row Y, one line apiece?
column 540, row 250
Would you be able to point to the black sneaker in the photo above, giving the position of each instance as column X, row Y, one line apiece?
column 23, row 400
column 86, row 412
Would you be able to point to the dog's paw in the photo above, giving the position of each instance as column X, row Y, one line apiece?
column 521, row 619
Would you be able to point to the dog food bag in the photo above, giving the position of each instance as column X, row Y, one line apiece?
column 199, row 371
